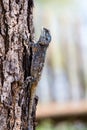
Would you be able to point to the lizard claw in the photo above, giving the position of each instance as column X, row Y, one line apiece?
column 30, row 79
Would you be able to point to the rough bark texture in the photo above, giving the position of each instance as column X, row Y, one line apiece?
column 16, row 29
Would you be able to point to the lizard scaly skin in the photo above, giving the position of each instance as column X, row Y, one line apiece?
column 38, row 53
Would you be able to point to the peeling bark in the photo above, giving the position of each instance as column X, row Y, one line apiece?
column 16, row 29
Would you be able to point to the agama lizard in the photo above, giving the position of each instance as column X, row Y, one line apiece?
column 38, row 53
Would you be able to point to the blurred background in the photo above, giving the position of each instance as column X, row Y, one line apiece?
column 62, row 89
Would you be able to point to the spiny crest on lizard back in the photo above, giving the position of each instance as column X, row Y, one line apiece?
column 45, row 37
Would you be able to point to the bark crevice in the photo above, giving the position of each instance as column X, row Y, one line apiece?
column 30, row 19
column 5, row 31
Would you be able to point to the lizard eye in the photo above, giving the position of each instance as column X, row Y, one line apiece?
column 47, row 39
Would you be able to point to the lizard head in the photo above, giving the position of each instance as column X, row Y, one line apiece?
column 45, row 37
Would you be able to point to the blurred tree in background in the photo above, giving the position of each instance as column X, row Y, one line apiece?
column 64, row 77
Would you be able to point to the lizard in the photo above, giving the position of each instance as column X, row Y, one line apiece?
column 38, row 53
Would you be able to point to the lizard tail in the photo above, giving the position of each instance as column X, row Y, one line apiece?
column 32, row 95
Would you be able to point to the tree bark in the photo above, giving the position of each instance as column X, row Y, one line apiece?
column 16, row 29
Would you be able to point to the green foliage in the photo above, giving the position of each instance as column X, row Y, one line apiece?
column 46, row 125
column 49, row 125
column 56, row 1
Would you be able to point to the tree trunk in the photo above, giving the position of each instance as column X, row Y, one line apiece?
column 16, row 29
